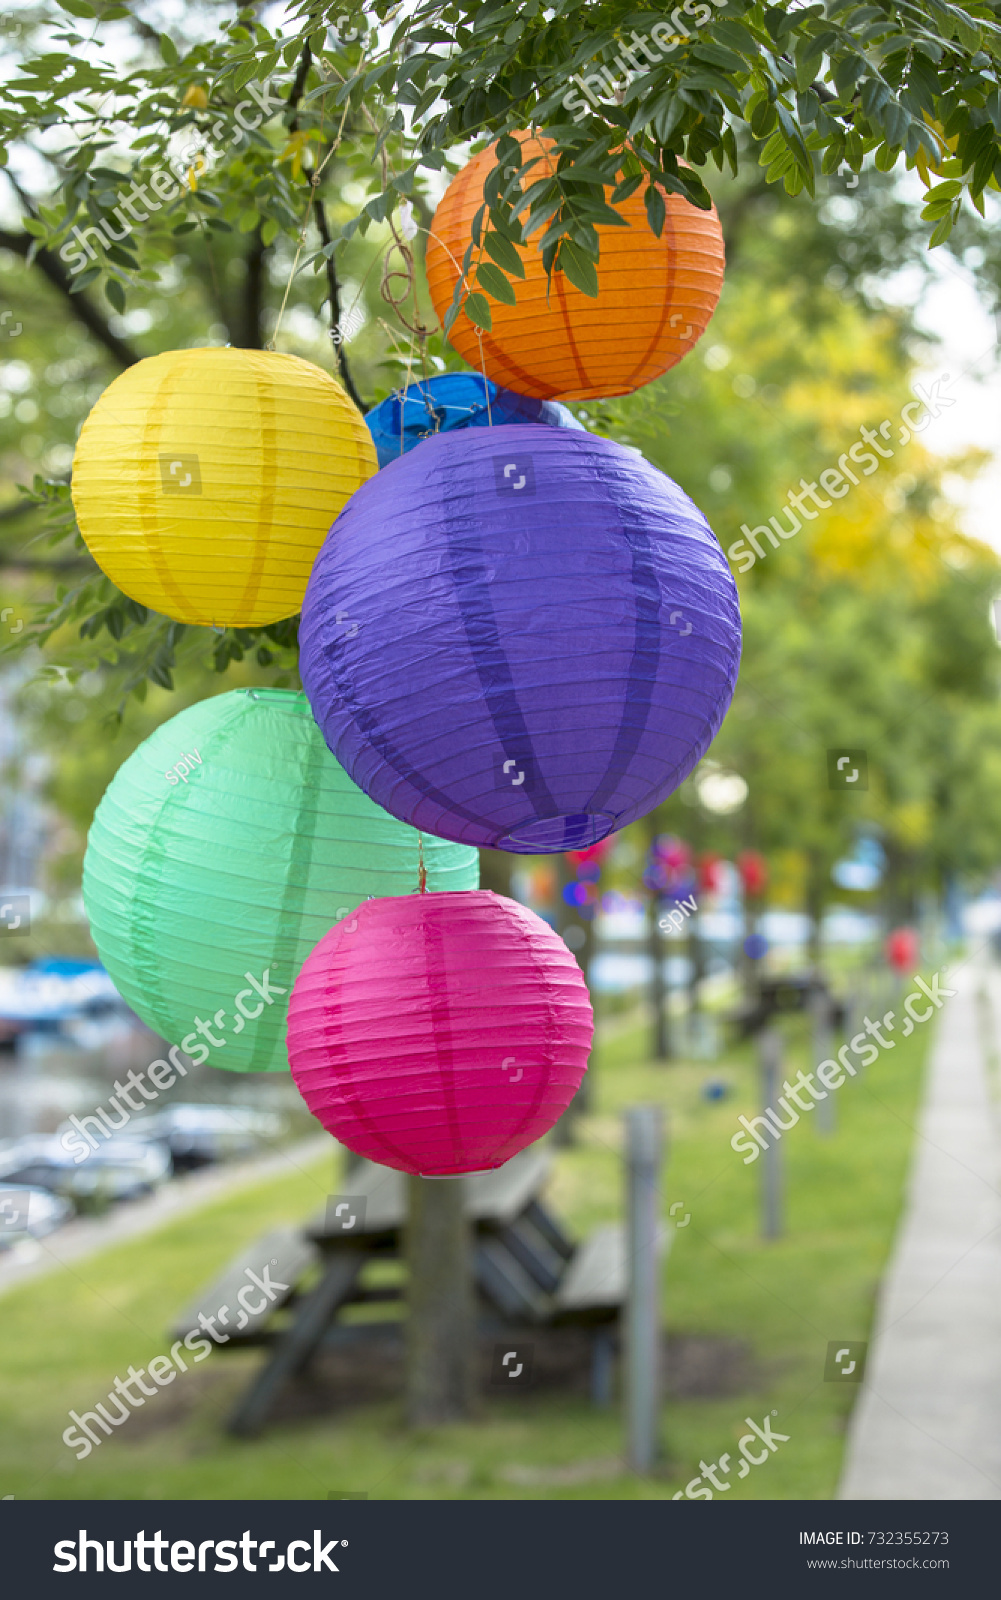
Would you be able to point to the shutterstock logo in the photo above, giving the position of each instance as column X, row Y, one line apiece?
column 72, row 1555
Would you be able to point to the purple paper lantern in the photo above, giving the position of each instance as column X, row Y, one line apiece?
column 521, row 637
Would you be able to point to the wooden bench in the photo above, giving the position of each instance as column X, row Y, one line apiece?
column 526, row 1267
column 288, row 1255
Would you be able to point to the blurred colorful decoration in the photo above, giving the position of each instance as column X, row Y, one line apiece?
column 668, row 869
column 715, row 1089
column 204, row 481
column 534, row 884
column 655, row 295
column 583, row 896
column 902, row 949
column 753, row 869
column 454, row 400
column 517, row 674
column 755, row 947
column 863, row 870
column 593, row 856
column 709, row 872
column 438, row 1033
column 222, row 850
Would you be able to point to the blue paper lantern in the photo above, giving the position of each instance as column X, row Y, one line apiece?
column 520, row 637
column 454, row 400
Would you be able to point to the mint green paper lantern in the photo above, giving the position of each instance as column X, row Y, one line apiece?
column 225, row 847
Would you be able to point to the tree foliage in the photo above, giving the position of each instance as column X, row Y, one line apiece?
column 304, row 156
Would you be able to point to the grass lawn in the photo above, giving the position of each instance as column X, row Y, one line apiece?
column 64, row 1338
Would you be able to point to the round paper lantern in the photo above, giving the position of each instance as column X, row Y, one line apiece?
column 454, row 400
column 655, row 295
column 902, row 949
column 222, row 850
column 547, row 637
column 753, row 869
column 439, row 1033
column 204, row 481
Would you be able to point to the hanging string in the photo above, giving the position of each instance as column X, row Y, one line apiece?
column 313, row 184
column 486, row 385
column 435, row 416
column 422, row 875
column 400, row 392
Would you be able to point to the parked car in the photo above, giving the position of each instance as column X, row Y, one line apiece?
column 121, row 1168
column 27, row 1212
column 198, row 1135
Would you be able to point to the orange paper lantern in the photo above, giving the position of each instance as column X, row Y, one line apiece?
column 655, row 296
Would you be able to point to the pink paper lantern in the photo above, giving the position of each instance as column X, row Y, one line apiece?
column 439, row 1033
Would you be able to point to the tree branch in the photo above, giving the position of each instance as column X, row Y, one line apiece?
column 83, row 309
column 333, row 286
column 334, row 299
column 299, row 84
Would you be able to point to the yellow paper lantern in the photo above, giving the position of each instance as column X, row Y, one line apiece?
column 205, row 481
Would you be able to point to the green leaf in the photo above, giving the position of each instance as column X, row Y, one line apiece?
column 942, row 231
column 168, row 50
column 77, row 8
column 667, row 114
column 508, row 152
column 578, row 267
column 834, row 154
column 808, row 63
column 477, row 310
column 492, row 279
column 763, row 119
column 656, row 209
column 718, row 56
column 875, row 95
column 944, row 191
column 85, row 280
column 504, row 253
column 628, row 186
column 847, row 72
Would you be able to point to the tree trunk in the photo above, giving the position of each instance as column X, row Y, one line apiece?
column 818, row 881
column 441, row 1320
column 581, row 943
column 246, row 332
column 659, row 997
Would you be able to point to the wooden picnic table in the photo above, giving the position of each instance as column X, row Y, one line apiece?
column 527, row 1268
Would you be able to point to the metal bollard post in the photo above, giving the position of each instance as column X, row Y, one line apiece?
column 856, row 1015
column 644, row 1155
column 823, row 1044
column 770, row 1058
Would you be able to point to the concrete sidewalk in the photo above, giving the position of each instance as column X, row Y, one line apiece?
column 927, row 1424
